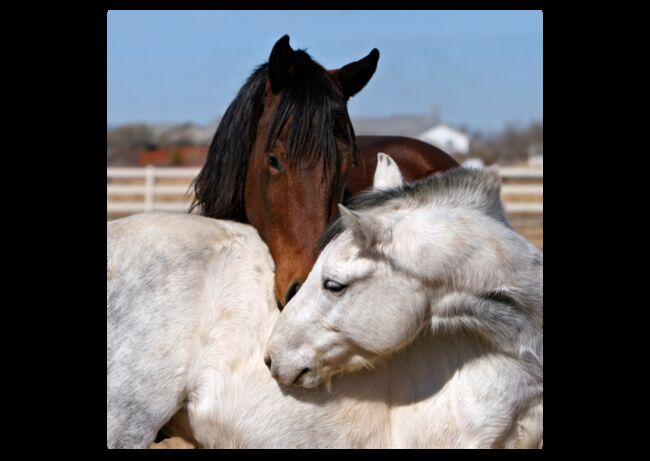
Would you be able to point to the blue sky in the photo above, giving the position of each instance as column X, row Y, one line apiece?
column 482, row 69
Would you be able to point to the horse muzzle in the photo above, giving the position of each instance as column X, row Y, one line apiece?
column 292, row 372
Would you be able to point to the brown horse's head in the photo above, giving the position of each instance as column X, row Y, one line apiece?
column 281, row 155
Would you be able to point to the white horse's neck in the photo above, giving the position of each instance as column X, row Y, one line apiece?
column 479, row 274
column 463, row 246
column 384, row 407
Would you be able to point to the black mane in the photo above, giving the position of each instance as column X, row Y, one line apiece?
column 318, row 119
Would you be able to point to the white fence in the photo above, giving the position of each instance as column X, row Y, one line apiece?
column 150, row 189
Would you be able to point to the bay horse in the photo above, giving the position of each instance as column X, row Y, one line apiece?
column 285, row 153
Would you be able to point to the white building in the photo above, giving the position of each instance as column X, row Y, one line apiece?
column 475, row 163
column 446, row 138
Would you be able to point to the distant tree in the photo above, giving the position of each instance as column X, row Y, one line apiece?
column 512, row 145
column 125, row 142
column 136, row 135
column 463, row 129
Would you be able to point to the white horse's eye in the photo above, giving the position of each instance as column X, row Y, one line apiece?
column 331, row 285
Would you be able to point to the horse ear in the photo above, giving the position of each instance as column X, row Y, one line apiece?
column 280, row 62
column 387, row 173
column 349, row 218
column 366, row 229
column 354, row 76
column 493, row 180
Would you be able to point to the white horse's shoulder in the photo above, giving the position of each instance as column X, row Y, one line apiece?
column 166, row 223
column 177, row 232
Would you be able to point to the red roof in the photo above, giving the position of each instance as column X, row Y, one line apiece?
column 174, row 156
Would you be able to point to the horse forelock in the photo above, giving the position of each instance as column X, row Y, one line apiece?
column 315, row 109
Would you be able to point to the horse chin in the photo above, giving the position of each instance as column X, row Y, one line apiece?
column 323, row 375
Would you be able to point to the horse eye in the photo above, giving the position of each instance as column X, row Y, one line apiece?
column 331, row 285
column 274, row 162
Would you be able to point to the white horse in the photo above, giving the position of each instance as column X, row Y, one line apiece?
column 428, row 284
column 190, row 310
column 181, row 292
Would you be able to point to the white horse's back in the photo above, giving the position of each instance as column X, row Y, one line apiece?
column 170, row 278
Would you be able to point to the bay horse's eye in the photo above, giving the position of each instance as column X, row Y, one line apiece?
column 275, row 164
column 331, row 285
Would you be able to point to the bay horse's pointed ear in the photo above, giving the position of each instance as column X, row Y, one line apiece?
column 280, row 62
column 387, row 173
column 354, row 76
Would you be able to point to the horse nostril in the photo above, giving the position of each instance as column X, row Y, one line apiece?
column 292, row 291
column 303, row 372
column 267, row 361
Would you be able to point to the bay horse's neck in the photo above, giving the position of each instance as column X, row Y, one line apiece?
column 416, row 160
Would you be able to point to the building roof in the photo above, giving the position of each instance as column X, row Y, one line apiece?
column 396, row 125
column 446, row 138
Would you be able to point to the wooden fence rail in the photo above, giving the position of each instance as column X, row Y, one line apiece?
column 147, row 192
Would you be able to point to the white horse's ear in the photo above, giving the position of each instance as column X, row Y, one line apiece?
column 350, row 219
column 493, row 179
column 367, row 229
column 387, row 173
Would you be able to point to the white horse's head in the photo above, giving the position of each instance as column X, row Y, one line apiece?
column 353, row 305
column 384, row 265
